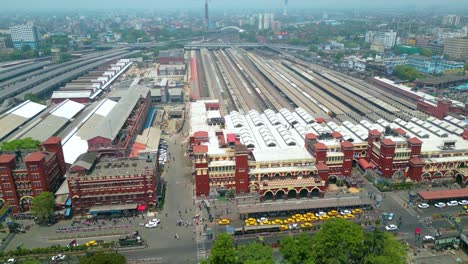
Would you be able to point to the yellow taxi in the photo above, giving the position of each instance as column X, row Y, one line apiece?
column 339, row 216
column 277, row 222
column 283, row 227
column 266, row 222
column 324, row 217
column 224, row 221
column 349, row 216
column 357, row 211
column 310, row 214
column 312, row 219
column 306, row 225
column 333, row 213
column 289, row 221
column 91, row 243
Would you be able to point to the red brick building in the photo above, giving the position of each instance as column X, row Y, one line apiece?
column 24, row 174
column 114, row 135
column 111, row 186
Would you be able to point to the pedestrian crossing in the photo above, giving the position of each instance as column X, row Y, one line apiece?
column 404, row 204
column 201, row 237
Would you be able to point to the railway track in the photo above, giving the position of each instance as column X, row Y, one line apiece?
column 265, row 90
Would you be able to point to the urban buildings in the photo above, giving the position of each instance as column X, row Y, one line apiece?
column 111, row 127
column 265, row 21
column 387, row 39
column 451, row 20
column 100, row 186
column 27, row 173
column 431, row 65
column 456, row 48
column 24, row 35
column 257, row 153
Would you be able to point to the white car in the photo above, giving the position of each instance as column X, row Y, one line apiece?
column 262, row 219
column 428, row 238
column 319, row 214
column 391, row 227
column 463, row 202
column 293, row 226
column 59, row 257
column 345, row 212
column 439, row 205
column 151, row 225
column 11, row 260
column 155, row 221
column 423, row 205
column 452, row 203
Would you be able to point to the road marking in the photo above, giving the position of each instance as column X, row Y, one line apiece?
column 201, row 237
column 400, row 201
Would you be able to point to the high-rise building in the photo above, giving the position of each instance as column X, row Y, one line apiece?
column 451, row 20
column 265, row 21
column 387, row 39
column 24, row 35
column 285, row 8
column 456, row 48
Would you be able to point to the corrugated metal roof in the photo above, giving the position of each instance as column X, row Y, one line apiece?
column 114, row 121
column 67, row 109
column 71, row 94
column 46, row 128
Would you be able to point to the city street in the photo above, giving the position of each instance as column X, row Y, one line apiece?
column 162, row 243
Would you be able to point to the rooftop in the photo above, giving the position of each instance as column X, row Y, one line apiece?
column 17, row 116
column 120, row 167
column 444, row 194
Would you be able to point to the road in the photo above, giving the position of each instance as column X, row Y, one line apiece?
column 179, row 196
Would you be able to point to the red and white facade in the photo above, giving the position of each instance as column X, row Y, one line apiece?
column 235, row 157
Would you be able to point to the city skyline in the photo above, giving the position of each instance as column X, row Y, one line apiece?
column 222, row 4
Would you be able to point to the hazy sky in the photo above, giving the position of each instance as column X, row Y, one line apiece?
column 266, row 4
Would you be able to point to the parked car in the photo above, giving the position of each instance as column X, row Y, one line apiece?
column 463, row 202
column 452, row 203
column 428, row 238
column 293, row 226
column 155, row 220
column 11, row 260
column 423, row 205
column 151, row 225
column 439, row 205
column 345, row 212
column 390, row 216
column 319, row 214
column 391, row 228
column 59, row 257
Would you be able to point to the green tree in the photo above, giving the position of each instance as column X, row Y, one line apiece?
column 33, row 98
column 19, row 144
column 255, row 253
column 43, row 206
column 297, row 250
column 222, row 250
column 405, row 72
column 339, row 241
column 31, row 261
column 313, row 48
column 425, row 52
column 383, row 248
column 103, row 258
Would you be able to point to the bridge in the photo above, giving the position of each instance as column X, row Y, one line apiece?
column 232, row 27
column 208, row 45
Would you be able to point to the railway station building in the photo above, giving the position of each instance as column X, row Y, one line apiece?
column 288, row 155
column 25, row 174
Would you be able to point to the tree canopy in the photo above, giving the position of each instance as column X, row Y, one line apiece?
column 297, row 250
column 103, row 258
column 405, row 72
column 252, row 253
column 255, row 253
column 425, row 52
column 43, row 206
column 339, row 240
column 18, row 144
